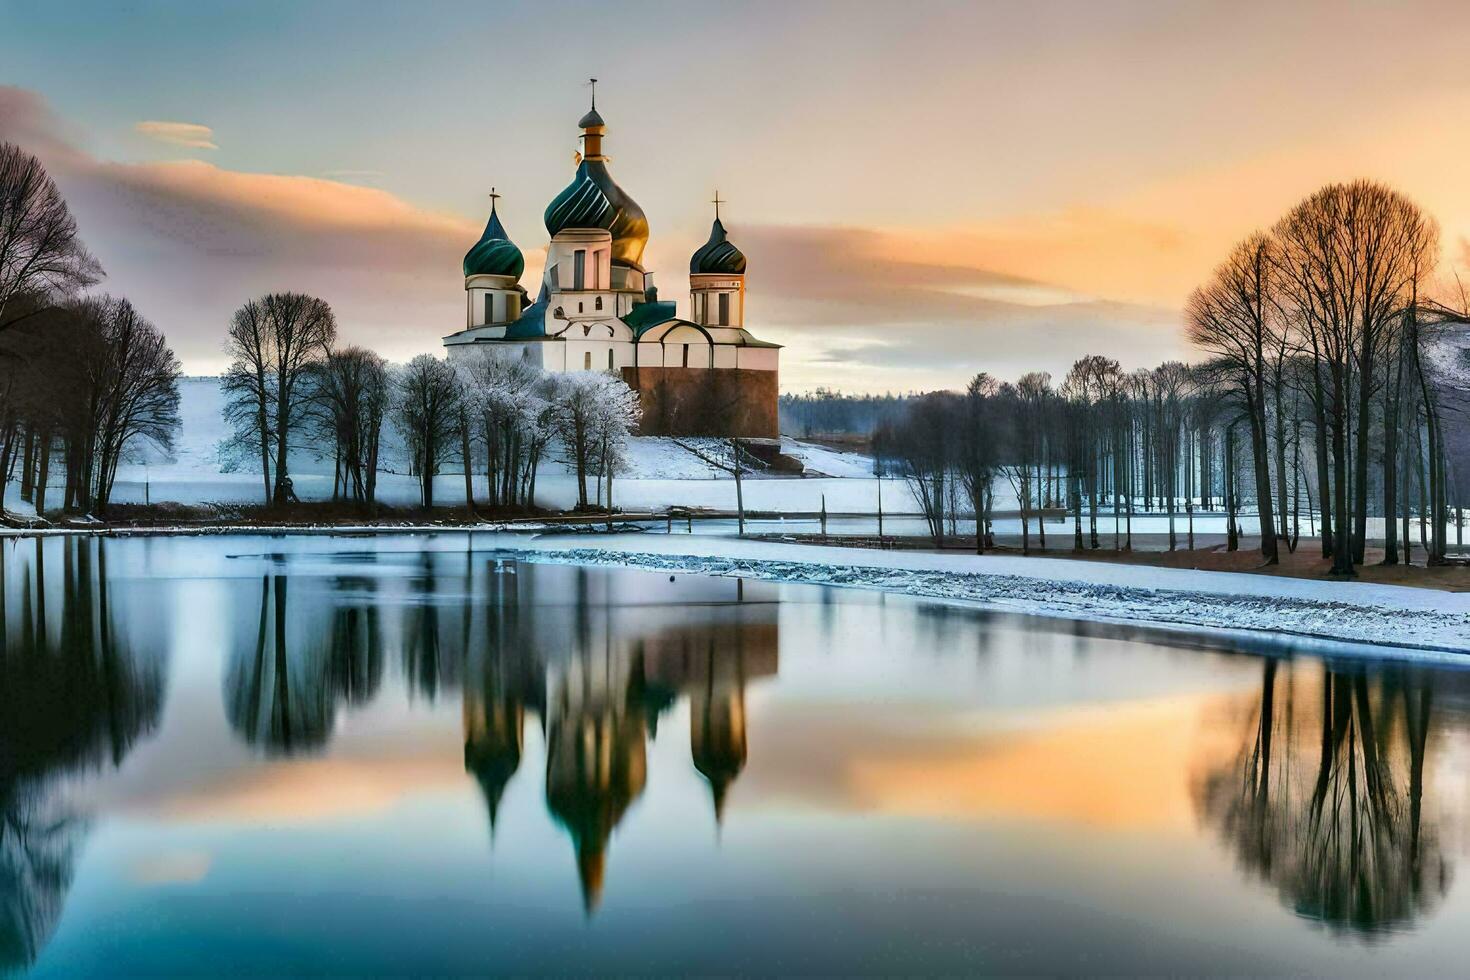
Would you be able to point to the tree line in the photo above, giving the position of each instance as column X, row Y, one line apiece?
column 1315, row 404
column 86, row 381
column 290, row 387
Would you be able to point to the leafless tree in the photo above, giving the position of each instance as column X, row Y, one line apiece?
column 1350, row 256
column 41, row 254
column 351, row 391
column 275, row 344
column 428, row 411
column 1235, row 318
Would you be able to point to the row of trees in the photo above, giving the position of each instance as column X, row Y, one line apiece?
column 1327, row 315
column 1316, row 404
column 289, row 387
column 1106, row 445
column 85, row 381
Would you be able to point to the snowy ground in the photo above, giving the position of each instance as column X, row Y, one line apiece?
column 661, row 474
column 1418, row 621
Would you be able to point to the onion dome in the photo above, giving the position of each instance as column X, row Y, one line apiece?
column 494, row 254
column 594, row 200
column 718, row 255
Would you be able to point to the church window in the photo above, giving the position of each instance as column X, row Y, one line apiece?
column 587, row 361
column 598, row 304
column 579, row 307
column 489, row 307
column 609, row 360
column 579, row 269
column 686, row 355
column 724, row 309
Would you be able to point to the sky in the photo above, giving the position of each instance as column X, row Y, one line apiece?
column 923, row 190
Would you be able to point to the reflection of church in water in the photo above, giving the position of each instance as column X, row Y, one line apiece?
column 599, row 680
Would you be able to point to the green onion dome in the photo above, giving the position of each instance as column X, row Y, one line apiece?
column 717, row 255
column 594, row 200
column 494, row 254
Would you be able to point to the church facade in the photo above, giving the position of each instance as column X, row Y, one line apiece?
column 598, row 310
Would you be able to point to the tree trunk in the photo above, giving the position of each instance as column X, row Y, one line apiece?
column 469, row 478
column 1231, row 541
column 44, row 475
column 1342, row 553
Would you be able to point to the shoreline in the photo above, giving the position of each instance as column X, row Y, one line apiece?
column 1296, row 613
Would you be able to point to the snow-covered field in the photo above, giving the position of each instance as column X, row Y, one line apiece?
column 661, row 474
column 1417, row 622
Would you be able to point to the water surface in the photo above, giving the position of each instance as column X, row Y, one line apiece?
column 418, row 754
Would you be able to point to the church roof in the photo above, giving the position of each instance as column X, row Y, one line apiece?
column 594, row 200
column 593, row 118
column 531, row 324
column 718, row 255
column 646, row 315
column 494, row 254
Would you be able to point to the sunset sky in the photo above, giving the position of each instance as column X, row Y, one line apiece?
column 923, row 190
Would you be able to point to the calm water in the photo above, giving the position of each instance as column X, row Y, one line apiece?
column 356, row 755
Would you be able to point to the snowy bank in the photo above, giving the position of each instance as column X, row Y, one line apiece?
column 1383, row 615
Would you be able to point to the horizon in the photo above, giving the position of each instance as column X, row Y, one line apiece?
column 1034, row 186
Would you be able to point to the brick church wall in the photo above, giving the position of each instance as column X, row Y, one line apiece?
column 706, row 402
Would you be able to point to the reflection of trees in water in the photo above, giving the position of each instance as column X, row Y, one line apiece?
column 434, row 630
column 1324, row 797
column 288, row 673
column 74, row 697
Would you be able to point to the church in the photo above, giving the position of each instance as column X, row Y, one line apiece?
column 598, row 309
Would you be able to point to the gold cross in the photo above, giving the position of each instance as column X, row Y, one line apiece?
column 493, row 198
column 717, row 203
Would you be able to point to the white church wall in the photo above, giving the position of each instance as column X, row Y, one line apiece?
column 758, row 358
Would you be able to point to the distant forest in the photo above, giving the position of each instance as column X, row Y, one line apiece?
column 825, row 412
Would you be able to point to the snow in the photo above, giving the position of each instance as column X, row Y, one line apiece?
column 661, row 474
column 829, row 462
column 1417, row 620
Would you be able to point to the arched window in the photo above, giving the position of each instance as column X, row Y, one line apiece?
column 598, row 304
column 587, row 361
column 609, row 359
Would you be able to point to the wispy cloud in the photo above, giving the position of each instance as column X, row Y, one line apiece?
column 191, row 135
column 349, row 174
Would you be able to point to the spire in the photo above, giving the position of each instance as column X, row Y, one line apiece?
column 592, row 126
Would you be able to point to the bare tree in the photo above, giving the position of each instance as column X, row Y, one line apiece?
column 351, row 392
column 41, row 254
column 428, row 409
column 919, row 446
column 1350, row 258
column 275, row 344
column 1234, row 317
